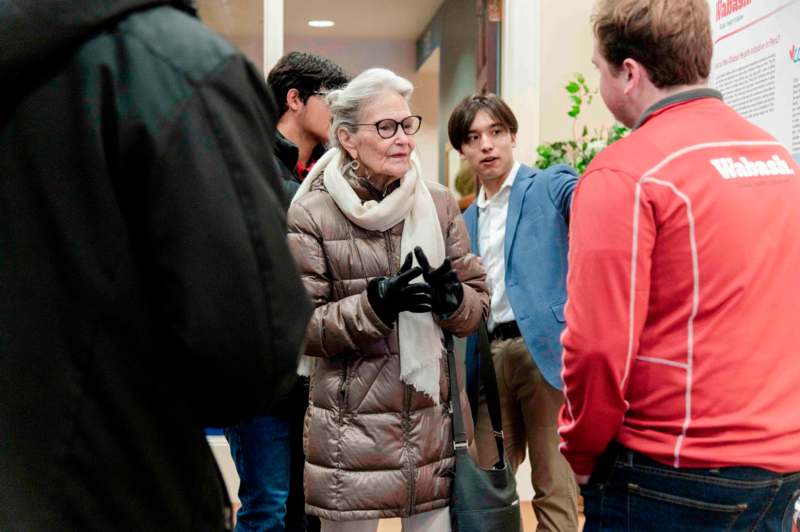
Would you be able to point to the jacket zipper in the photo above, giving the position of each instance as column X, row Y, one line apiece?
column 343, row 390
column 390, row 251
column 412, row 488
column 409, row 465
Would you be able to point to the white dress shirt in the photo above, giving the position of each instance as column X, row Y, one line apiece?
column 492, row 214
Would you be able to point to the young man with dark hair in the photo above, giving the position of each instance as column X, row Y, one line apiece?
column 518, row 225
column 299, row 82
column 268, row 450
column 680, row 354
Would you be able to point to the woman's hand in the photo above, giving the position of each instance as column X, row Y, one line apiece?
column 447, row 289
column 389, row 296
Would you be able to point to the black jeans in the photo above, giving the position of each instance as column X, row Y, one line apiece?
column 629, row 491
column 296, row 518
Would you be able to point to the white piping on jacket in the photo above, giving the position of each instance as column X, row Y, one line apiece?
column 695, row 304
column 663, row 361
column 647, row 178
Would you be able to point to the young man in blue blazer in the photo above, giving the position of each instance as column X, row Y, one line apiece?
column 518, row 226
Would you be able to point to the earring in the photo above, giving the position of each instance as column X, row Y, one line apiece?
column 352, row 166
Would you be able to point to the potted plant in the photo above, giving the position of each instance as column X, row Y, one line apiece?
column 584, row 144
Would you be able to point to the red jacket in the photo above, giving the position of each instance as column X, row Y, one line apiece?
column 683, row 316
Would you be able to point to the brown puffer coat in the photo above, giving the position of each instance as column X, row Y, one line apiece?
column 374, row 446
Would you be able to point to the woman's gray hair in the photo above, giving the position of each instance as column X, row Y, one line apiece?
column 346, row 103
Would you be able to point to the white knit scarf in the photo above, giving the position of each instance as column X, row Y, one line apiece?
column 420, row 338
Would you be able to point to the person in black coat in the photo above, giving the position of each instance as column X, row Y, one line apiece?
column 146, row 288
column 268, row 450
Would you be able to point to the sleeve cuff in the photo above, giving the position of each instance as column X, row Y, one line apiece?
column 446, row 319
column 373, row 316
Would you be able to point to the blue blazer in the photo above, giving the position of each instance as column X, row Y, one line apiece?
column 536, row 266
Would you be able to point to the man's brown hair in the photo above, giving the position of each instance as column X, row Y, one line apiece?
column 464, row 114
column 670, row 38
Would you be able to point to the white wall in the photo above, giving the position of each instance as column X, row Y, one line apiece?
column 272, row 33
column 425, row 102
column 562, row 55
column 544, row 44
column 520, row 71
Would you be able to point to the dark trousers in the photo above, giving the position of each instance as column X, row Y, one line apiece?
column 260, row 450
column 630, row 492
column 296, row 518
column 268, row 453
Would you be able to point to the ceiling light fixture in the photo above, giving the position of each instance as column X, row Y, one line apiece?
column 321, row 23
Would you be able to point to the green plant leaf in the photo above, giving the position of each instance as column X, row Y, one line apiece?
column 580, row 150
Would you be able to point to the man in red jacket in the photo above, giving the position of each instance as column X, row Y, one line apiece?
column 681, row 367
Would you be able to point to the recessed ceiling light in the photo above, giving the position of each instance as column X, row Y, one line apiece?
column 321, row 23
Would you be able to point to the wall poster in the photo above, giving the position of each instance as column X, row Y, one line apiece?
column 756, row 63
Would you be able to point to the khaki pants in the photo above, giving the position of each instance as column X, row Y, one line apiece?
column 433, row 521
column 530, row 409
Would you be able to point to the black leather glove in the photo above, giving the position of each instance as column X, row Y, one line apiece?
column 389, row 296
column 447, row 289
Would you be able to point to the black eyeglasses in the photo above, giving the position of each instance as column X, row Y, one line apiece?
column 387, row 128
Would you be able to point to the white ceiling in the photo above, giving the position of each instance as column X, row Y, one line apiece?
column 387, row 19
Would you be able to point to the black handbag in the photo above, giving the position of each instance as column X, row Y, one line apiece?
column 483, row 500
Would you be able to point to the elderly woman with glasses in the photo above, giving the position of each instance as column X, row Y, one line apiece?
column 385, row 256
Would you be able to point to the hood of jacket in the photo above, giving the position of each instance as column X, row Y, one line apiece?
column 38, row 31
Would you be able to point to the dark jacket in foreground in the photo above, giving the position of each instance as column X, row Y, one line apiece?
column 295, row 402
column 146, row 288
